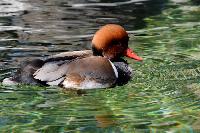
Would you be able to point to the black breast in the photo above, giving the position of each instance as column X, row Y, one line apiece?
column 124, row 72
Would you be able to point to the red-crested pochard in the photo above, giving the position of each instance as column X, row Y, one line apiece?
column 100, row 67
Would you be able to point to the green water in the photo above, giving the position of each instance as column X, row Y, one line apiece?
column 163, row 95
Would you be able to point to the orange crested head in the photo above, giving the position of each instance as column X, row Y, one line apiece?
column 111, row 41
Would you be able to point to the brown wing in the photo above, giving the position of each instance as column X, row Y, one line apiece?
column 55, row 67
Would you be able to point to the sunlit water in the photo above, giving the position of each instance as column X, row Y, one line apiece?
column 163, row 95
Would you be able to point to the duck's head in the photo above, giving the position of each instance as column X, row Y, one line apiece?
column 111, row 41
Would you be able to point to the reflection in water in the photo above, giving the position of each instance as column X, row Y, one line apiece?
column 12, row 7
column 60, row 26
column 163, row 95
column 60, row 21
column 196, row 1
column 107, row 4
column 104, row 121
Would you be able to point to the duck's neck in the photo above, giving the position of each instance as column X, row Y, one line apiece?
column 96, row 52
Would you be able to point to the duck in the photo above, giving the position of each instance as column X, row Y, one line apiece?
column 100, row 67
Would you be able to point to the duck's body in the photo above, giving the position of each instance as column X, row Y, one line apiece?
column 100, row 68
column 86, row 72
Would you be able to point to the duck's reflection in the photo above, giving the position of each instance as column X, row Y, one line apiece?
column 60, row 21
column 105, row 120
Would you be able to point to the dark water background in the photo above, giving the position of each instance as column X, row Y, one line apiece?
column 163, row 95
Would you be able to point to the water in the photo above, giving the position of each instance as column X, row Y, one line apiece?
column 163, row 96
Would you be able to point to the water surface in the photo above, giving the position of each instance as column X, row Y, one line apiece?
column 163, row 95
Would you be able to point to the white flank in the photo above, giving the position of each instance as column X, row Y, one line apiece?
column 86, row 84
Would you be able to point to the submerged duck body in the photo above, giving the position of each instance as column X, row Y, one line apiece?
column 100, row 67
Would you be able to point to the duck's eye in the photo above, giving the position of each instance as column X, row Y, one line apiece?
column 114, row 42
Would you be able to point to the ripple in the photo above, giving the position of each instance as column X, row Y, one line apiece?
column 9, row 8
column 107, row 4
column 29, row 48
column 74, row 36
column 163, row 94
column 9, row 28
